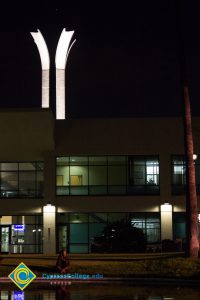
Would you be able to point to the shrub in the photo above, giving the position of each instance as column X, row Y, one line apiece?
column 122, row 237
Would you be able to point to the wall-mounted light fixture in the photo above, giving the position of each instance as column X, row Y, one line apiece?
column 49, row 208
column 166, row 207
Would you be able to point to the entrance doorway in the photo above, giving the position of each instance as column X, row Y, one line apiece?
column 5, row 238
column 63, row 240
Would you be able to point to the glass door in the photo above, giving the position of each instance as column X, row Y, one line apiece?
column 62, row 237
column 5, row 235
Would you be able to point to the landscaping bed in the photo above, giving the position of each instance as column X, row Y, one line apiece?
column 144, row 266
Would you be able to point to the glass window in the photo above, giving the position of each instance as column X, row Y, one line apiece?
column 117, row 160
column 39, row 166
column 178, row 174
column 98, row 217
column 179, row 170
column 97, row 160
column 27, row 180
column 62, row 176
column 143, row 175
column 78, row 175
column 9, row 166
column 95, row 231
column 150, row 225
column 78, row 248
column 62, row 161
column 107, row 175
column 144, row 171
column 28, row 240
column 62, row 217
column 78, row 218
column 78, row 160
column 27, row 166
column 138, row 172
column 117, row 175
column 78, row 233
column 39, row 181
column 152, row 172
column 115, row 217
column 9, row 181
column 23, row 179
column 82, row 229
column 179, row 225
column 97, row 175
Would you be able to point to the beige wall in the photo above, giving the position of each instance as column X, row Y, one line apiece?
column 26, row 135
column 30, row 136
column 108, row 204
column 119, row 136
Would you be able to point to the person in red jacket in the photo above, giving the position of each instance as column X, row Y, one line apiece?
column 62, row 263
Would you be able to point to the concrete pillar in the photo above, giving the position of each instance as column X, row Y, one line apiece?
column 49, row 209
column 45, row 88
column 50, row 178
column 49, row 225
column 166, row 221
column 60, row 94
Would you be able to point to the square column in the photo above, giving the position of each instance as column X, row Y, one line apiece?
column 166, row 221
column 49, row 233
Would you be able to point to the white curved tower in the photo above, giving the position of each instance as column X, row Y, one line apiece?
column 62, row 53
column 45, row 63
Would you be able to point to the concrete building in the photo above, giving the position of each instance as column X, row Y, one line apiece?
column 63, row 181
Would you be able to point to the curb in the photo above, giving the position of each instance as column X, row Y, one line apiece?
column 133, row 281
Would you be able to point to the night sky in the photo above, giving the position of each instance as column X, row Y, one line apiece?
column 125, row 62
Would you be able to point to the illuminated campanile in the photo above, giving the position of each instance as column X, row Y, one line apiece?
column 62, row 54
column 45, row 64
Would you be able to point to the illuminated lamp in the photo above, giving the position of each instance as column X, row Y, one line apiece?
column 166, row 207
column 195, row 156
column 62, row 53
column 45, row 64
column 49, row 208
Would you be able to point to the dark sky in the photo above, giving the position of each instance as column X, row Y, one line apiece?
column 125, row 62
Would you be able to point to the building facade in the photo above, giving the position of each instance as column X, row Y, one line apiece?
column 64, row 181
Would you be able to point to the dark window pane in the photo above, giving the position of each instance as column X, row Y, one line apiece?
column 28, row 166
column 97, row 160
column 78, row 160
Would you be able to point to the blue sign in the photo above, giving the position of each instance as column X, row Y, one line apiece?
column 18, row 295
column 19, row 227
